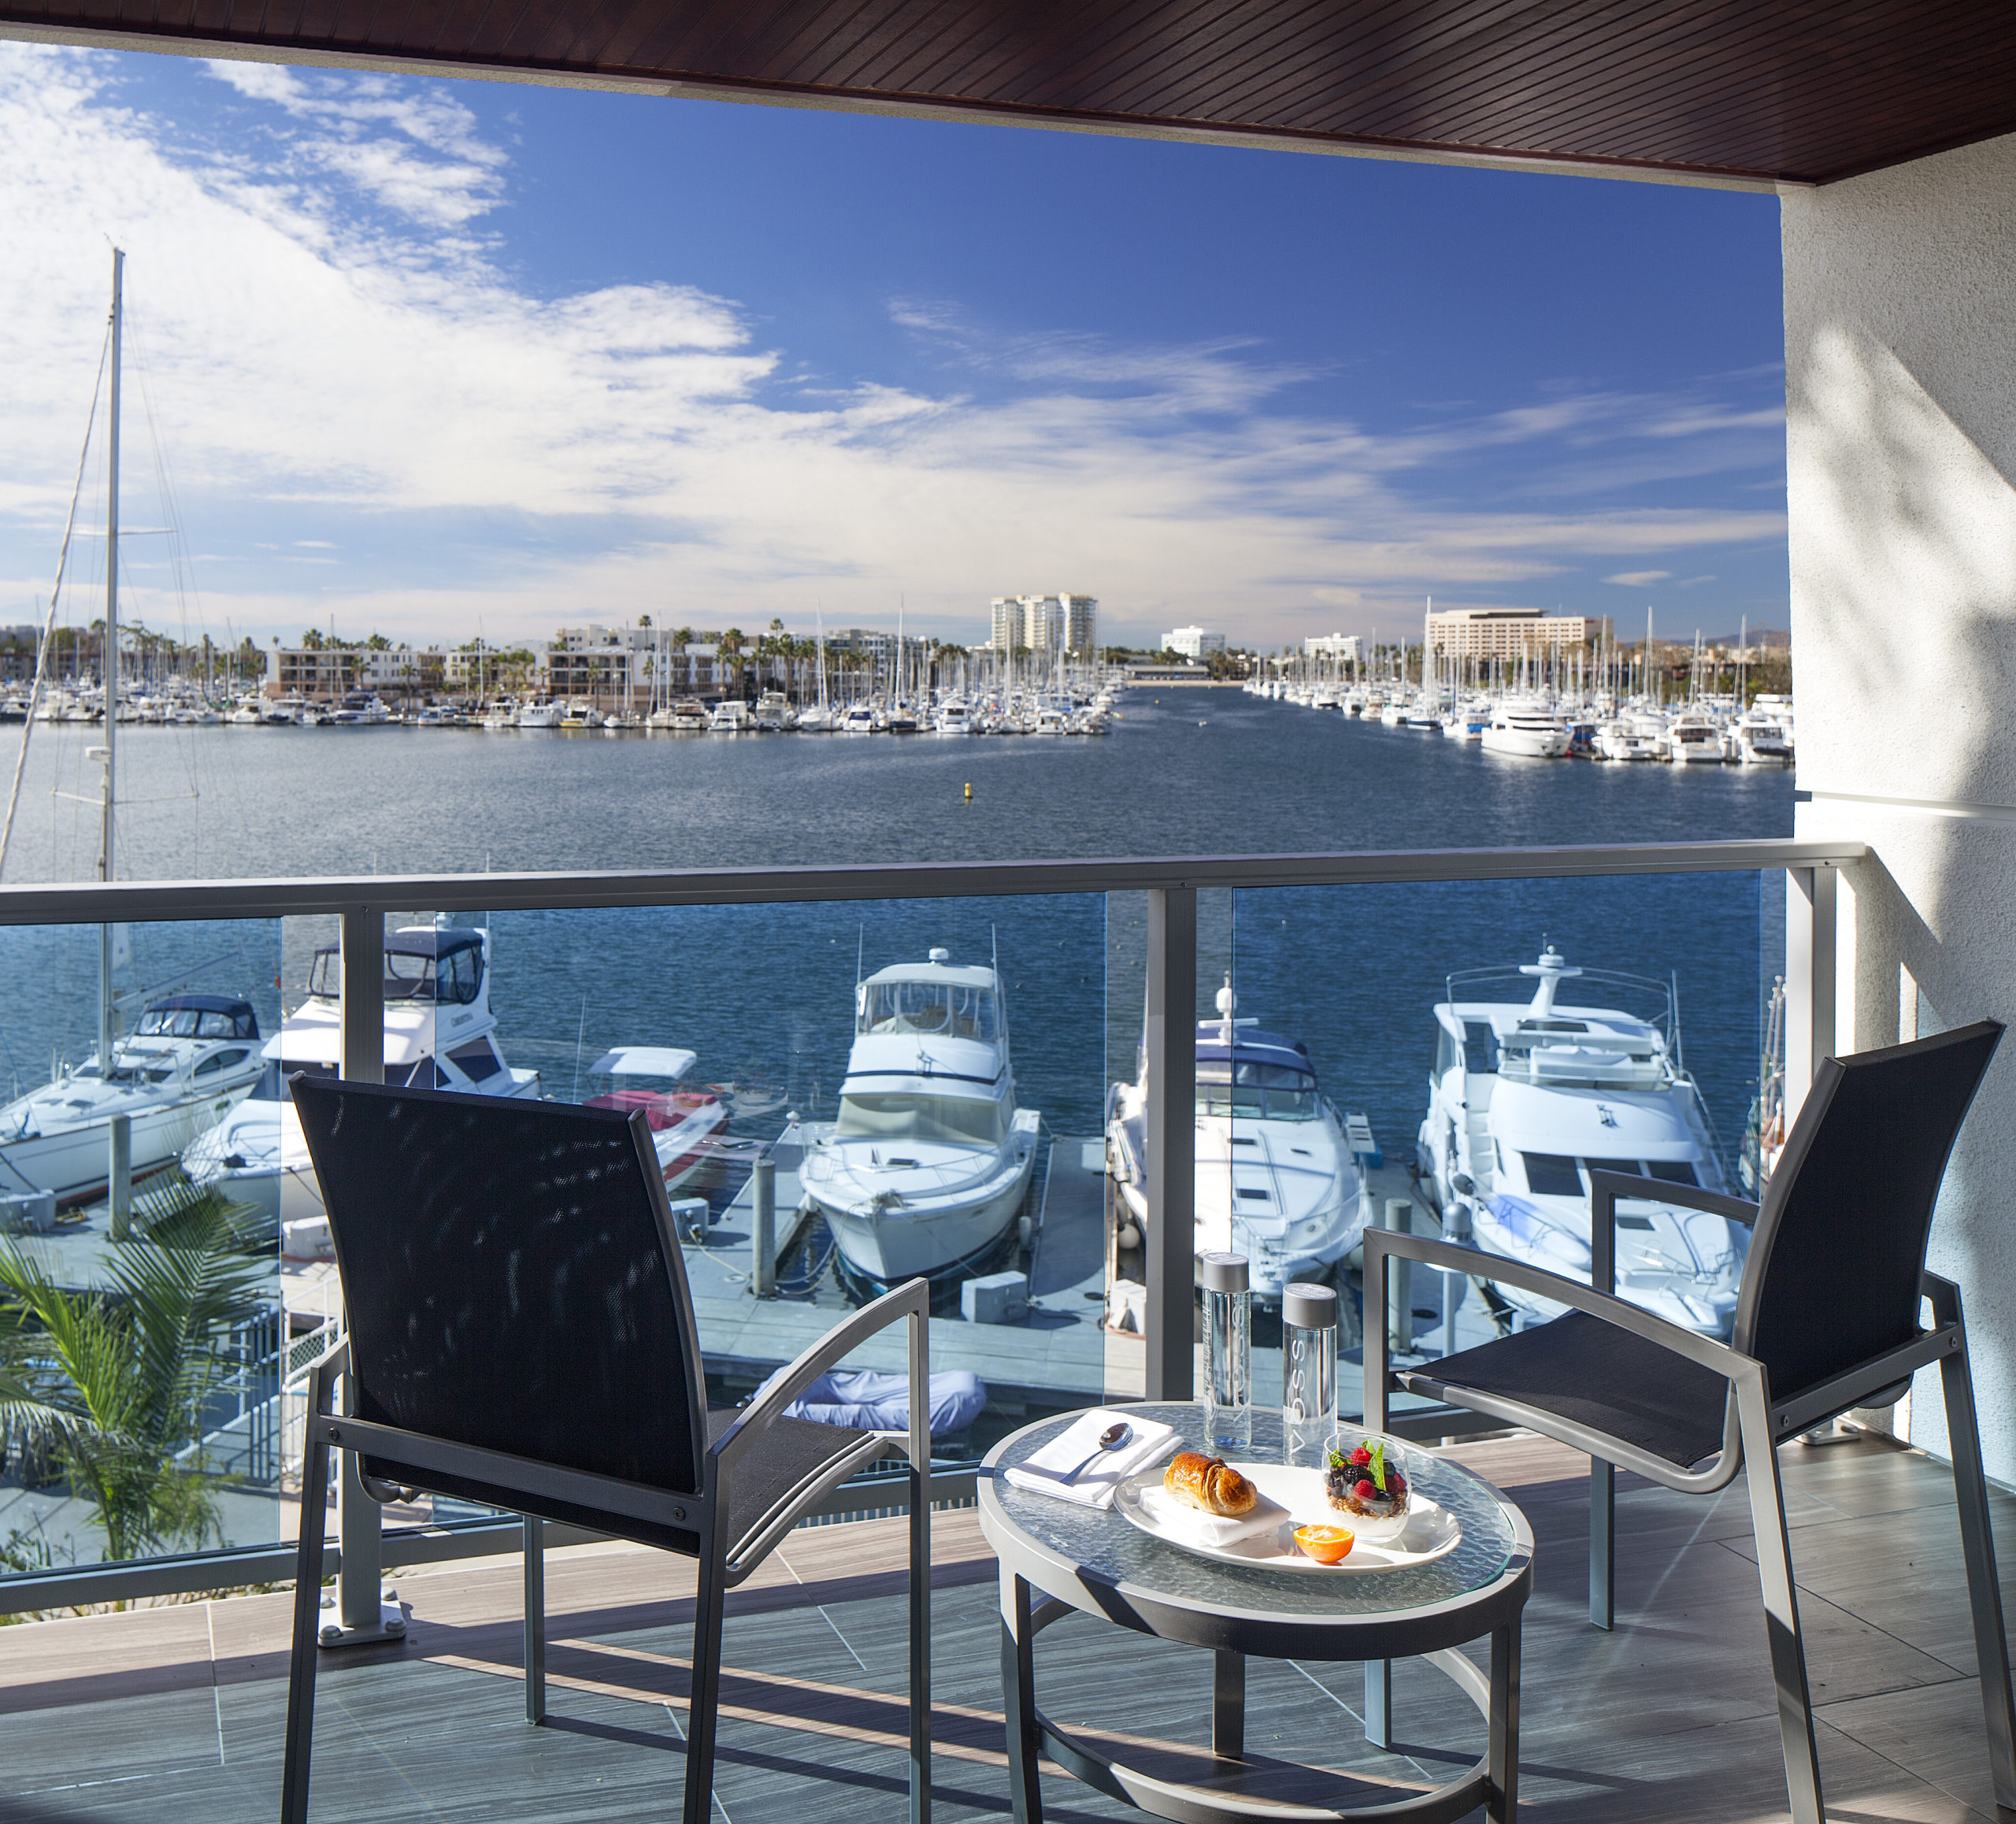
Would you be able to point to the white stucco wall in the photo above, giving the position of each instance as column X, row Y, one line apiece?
column 1900, row 380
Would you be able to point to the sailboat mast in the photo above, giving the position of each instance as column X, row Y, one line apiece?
column 107, row 866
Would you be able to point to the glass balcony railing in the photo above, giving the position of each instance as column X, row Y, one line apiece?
column 1045, row 1087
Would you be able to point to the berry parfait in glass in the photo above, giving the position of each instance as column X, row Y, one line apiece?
column 1364, row 1478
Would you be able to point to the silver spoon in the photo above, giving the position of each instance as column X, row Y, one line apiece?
column 1112, row 1438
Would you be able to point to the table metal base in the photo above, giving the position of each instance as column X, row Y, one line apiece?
column 1493, row 1782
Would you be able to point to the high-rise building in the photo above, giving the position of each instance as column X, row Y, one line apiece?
column 1508, row 632
column 1339, row 646
column 1046, row 624
column 1193, row 642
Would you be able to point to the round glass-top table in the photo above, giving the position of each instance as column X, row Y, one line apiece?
column 1085, row 1559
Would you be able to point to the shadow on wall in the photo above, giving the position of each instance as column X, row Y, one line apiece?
column 1901, row 433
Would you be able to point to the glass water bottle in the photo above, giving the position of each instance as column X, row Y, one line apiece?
column 1228, row 1354
column 1308, row 1374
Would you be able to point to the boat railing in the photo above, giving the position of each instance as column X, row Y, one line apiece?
column 1171, row 887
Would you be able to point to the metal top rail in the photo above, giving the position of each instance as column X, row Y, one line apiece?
column 146, row 901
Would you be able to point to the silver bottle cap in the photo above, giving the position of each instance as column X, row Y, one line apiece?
column 1309, row 1307
column 1223, row 1272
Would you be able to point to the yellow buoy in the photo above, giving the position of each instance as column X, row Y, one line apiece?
column 969, row 791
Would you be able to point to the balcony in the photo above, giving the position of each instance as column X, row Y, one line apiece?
column 176, row 1713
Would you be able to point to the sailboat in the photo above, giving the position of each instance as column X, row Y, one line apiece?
column 191, row 1057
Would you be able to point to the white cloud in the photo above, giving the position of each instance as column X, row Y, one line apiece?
column 1639, row 578
column 324, row 327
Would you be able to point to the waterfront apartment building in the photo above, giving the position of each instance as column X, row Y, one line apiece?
column 1509, row 633
column 1343, row 647
column 325, row 672
column 1051, row 623
column 1193, row 642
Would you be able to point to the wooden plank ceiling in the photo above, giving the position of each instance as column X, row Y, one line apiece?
column 1797, row 90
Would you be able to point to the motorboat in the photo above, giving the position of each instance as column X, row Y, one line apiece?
column 545, row 715
column 1631, row 737
column 858, row 719
column 1530, row 730
column 684, row 1121
column 1275, row 1177
column 954, row 716
column 687, row 716
column 580, row 715
column 1527, row 1096
column 731, row 716
column 1757, row 739
column 503, row 713
column 928, row 1164
column 1694, row 738
column 439, row 1034
column 190, row 1060
column 245, row 713
column 773, row 713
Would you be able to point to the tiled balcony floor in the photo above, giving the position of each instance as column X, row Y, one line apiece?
column 173, row 1716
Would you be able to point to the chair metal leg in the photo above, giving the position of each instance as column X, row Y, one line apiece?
column 1978, row 1550
column 535, row 1620
column 307, row 1623
column 1502, row 1806
column 1018, row 1698
column 1602, row 1543
column 706, row 1686
column 1378, row 1673
column 1379, row 1704
column 920, row 1618
column 1229, row 1705
column 1775, row 1573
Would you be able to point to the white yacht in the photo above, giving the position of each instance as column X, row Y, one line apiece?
column 1530, row 730
column 1632, row 737
column 1694, row 738
column 684, row 1121
column 954, row 716
column 1757, row 739
column 773, row 712
column 545, row 715
column 190, row 1058
column 927, row 1167
column 858, row 719
column 1527, row 1096
column 731, row 716
column 439, row 1034
column 1275, row 1177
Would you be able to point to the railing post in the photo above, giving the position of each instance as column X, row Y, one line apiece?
column 1809, row 977
column 119, row 1184
column 1170, row 1041
column 1400, row 1298
column 362, row 1613
column 763, row 1242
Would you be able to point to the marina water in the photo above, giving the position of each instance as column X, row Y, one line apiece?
column 764, row 994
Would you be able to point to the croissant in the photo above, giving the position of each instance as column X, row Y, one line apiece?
column 1209, row 1484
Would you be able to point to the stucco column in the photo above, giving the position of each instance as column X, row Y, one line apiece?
column 1900, row 384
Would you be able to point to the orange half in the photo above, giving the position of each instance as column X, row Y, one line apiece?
column 1326, row 1544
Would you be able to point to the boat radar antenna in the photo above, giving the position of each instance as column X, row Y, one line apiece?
column 860, row 947
column 1552, row 969
column 1227, row 1001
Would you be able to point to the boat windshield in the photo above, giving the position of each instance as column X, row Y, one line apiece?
column 1255, row 1091
column 452, row 979
column 951, row 1008
column 191, row 1023
column 962, row 1120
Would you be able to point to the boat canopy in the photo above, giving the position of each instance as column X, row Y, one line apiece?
column 930, row 1000
column 422, row 963
column 913, row 1115
column 644, row 1061
column 199, row 1017
column 1259, row 1076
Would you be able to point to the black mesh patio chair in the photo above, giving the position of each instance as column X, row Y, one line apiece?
column 1827, row 1318
column 520, row 1334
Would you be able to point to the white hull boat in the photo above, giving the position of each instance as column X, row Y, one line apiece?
column 685, row 1123
column 1527, row 1097
column 1275, row 1177
column 191, row 1060
column 928, row 1164
column 1529, row 731
column 439, row 1034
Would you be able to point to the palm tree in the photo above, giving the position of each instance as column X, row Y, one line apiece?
column 117, row 1380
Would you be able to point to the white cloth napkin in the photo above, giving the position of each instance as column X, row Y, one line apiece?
column 1183, row 1522
column 1044, row 1473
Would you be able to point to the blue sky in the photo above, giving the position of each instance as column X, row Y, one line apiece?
column 424, row 355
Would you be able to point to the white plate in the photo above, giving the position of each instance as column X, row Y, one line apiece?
column 1432, row 1532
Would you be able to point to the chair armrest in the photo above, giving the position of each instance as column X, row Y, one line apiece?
column 910, row 1299
column 1606, row 1188
column 1718, row 1358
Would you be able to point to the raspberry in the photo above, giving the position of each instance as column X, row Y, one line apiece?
column 1360, row 1456
column 1365, row 1491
